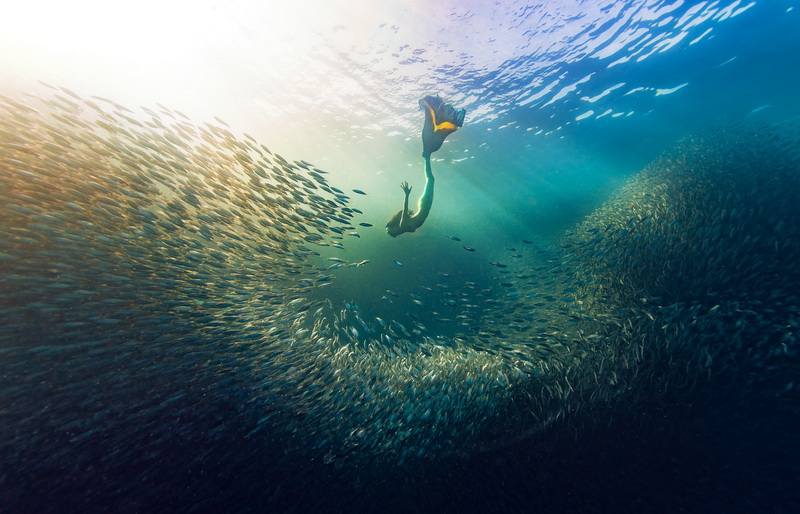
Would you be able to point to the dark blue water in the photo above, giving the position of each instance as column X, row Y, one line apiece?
column 600, row 314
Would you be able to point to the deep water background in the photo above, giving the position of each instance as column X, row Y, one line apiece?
column 566, row 100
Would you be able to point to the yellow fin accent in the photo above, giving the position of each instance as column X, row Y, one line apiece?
column 446, row 125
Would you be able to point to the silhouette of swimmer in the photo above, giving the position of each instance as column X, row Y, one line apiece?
column 441, row 120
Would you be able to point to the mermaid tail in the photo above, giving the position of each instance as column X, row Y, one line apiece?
column 441, row 120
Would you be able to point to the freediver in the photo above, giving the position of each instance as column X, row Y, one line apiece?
column 441, row 120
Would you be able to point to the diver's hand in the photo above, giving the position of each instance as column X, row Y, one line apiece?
column 405, row 187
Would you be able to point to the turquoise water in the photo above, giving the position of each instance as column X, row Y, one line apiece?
column 199, row 313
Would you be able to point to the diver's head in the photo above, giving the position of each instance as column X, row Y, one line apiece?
column 393, row 226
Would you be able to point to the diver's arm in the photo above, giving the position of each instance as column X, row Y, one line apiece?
column 407, row 190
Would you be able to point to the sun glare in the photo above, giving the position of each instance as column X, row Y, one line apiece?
column 150, row 50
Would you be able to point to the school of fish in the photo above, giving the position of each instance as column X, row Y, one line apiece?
column 147, row 260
